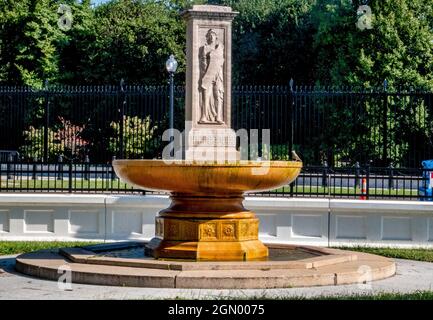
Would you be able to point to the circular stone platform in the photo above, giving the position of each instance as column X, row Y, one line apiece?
column 316, row 267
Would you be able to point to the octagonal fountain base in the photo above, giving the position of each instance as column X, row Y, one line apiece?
column 203, row 227
column 125, row 264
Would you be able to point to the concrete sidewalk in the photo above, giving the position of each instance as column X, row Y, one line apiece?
column 411, row 276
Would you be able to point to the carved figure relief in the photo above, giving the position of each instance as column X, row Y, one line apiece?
column 211, row 80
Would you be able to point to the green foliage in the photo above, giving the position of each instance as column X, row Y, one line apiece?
column 130, row 40
column 29, row 39
column 63, row 139
column 34, row 144
column 138, row 135
column 398, row 48
column 309, row 40
column 79, row 41
column 272, row 41
column 120, row 39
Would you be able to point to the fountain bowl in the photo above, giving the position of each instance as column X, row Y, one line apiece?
column 206, row 219
column 195, row 177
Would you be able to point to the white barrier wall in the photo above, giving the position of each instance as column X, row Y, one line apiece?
column 286, row 220
column 321, row 222
column 381, row 223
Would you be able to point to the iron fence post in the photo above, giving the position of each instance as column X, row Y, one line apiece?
column 46, row 120
column 86, row 167
column 385, row 123
column 35, row 160
column 113, row 174
column 70, row 176
column 106, row 176
column 9, row 167
column 391, row 177
column 15, row 164
column 122, row 118
column 60, row 167
column 325, row 174
column 357, row 175
column 291, row 109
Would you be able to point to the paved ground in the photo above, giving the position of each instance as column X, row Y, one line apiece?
column 411, row 276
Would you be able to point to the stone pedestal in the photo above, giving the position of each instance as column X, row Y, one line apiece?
column 213, row 144
column 209, row 136
column 203, row 227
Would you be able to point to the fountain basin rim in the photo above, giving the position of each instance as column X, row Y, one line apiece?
column 188, row 177
column 191, row 163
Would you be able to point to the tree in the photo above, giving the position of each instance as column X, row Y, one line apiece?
column 79, row 40
column 138, row 135
column 399, row 47
column 130, row 40
column 272, row 41
column 29, row 38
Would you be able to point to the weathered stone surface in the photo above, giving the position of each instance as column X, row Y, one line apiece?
column 208, row 84
column 342, row 268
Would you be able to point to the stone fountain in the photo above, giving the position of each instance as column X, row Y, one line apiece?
column 206, row 219
column 206, row 238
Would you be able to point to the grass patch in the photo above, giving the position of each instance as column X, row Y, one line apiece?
column 15, row 247
column 318, row 190
column 416, row 295
column 76, row 184
column 409, row 254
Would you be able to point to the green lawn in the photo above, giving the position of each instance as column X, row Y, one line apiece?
column 15, row 247
column 78, row 184
column 346, row 191
column 410, row 254
column 417, row 295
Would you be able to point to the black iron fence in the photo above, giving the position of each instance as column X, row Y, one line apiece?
column 61, row 177
column 360, row 183
column 356, row 182
column 98, row 122
column 62, row 139
column 337, row 125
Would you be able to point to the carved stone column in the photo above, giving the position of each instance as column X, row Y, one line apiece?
column 208, row 84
